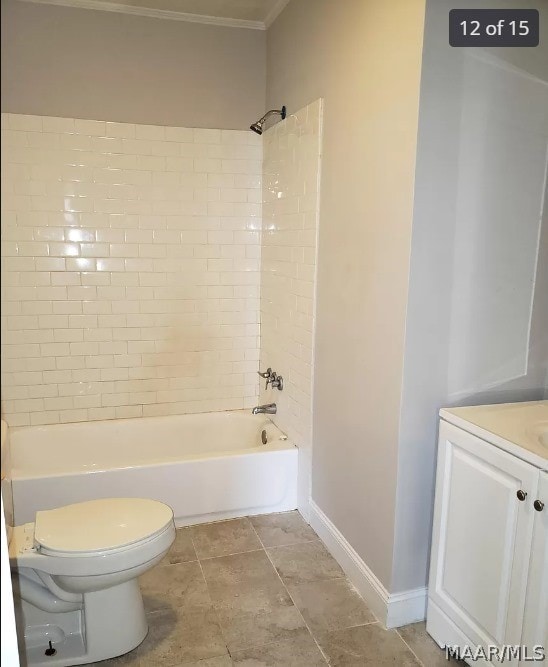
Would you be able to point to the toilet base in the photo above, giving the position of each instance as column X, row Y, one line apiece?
column 111, row 623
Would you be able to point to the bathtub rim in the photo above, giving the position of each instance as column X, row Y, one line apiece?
column 282, row 443
column 233, row 453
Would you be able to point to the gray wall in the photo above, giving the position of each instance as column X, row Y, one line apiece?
column 60, row 61
column 477, row 322
column 363, row 57
column 395, row 257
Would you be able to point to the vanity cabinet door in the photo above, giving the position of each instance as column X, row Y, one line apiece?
column 483, row 526
column 535, row 623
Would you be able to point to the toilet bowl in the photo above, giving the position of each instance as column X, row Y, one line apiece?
column 75, row 573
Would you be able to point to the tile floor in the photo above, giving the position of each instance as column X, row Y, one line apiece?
column 263, row 592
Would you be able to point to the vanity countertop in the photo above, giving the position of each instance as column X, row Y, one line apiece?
column 518, row 428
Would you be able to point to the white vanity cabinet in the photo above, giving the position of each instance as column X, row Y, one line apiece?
column 489, row 564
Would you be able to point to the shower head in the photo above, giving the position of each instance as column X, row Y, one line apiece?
column 258, row 126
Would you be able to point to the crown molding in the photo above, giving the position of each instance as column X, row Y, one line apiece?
column 106, row 6
column 275, row 12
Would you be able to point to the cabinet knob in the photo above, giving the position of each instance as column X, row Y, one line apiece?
column 538, row 505
column 521, row 495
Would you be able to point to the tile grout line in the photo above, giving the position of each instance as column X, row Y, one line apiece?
column 235, row 553
column 292, row 544
column 212, row 523
column 210, row 598
column 409, row 647
column 290, row 597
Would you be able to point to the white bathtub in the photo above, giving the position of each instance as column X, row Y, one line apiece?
column 206, row 467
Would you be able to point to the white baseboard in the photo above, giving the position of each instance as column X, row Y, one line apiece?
column 391, row 610
column 369, row 587
column 407, row 607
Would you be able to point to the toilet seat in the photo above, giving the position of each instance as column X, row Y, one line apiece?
column 100, row 527
column 119, row 534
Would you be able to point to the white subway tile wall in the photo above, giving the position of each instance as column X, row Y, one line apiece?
column 130, row 269
column 291, row 172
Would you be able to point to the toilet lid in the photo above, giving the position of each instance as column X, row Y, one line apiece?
column 100, row 525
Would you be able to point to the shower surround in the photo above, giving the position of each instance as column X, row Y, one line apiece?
column 138, row 262
column 291, row 177
column 130, row 269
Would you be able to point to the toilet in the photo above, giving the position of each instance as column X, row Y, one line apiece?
column 75, row 575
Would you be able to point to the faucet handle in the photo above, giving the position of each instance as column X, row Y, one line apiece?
column 267, row 374
column 276, row 381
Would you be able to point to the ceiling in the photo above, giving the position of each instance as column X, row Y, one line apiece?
column 257, row 14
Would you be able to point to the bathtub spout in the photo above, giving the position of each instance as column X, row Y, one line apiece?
column 268, row 409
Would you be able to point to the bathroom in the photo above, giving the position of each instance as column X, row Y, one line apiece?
column 379, row 252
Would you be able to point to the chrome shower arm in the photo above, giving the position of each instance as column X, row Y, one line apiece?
column 281, row 112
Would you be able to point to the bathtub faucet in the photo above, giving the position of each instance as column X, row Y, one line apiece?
column 268, row 409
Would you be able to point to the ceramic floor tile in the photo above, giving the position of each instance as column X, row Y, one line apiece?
column 366, row 646
column 303, row 563
column 182, row 550
column 197, row 611
column 254, row 619
column 230, row 577
column 276, row 530
column 134, row 659
column 176, row 637
column 300, row 651
column 225, row 537
column 174, row 586
column 330, row 605
column 424, row 647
